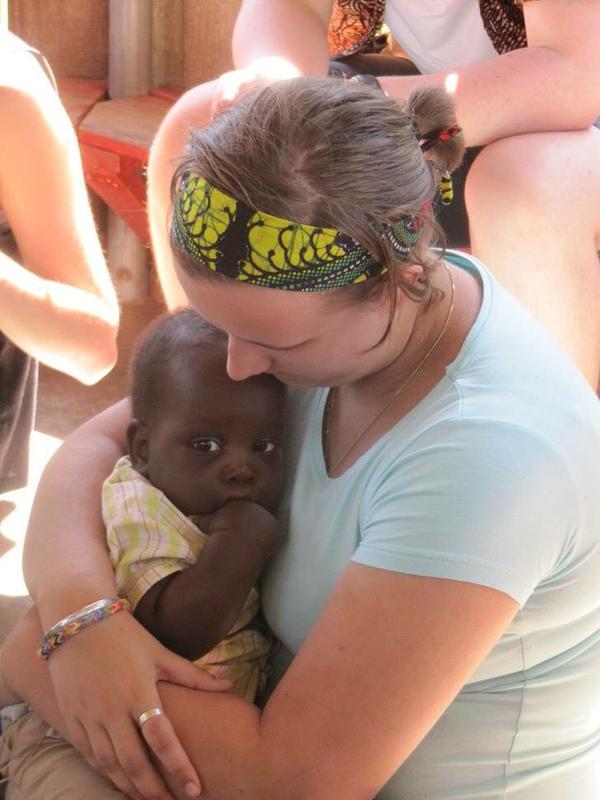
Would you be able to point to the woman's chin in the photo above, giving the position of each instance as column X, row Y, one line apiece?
column 298, row 383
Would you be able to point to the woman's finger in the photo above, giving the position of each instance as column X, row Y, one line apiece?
column 81, row 742
column 162, row 740
column 108, row 763
column 127, row 762
column 78, row 737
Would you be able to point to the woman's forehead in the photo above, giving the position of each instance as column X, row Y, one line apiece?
column 264, row 316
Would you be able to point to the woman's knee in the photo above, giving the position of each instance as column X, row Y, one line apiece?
column 523, row 175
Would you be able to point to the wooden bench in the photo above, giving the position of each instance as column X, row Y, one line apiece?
column 115, row 138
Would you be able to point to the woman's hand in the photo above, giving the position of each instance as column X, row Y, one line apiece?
column 103, row 680
column 231, row 86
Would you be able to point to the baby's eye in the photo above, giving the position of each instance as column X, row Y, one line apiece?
column 265, row 446
column 207, row 445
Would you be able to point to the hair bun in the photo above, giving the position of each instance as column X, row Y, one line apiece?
column 434, row 116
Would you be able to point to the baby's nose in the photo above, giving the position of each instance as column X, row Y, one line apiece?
column 238, row 471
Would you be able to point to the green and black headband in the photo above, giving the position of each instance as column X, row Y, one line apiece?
column 230, row 238
column 227, row 236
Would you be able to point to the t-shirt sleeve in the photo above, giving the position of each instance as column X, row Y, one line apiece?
column 484, row 502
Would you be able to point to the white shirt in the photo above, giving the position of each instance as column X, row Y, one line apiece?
column 438, row 35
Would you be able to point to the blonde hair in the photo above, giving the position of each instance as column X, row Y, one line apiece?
column 329, row 153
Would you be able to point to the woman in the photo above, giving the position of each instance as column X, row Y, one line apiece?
column 523, row 76
column 57, row 302
column 438, row 589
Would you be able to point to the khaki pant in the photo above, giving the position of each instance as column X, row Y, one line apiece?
column 46, row 767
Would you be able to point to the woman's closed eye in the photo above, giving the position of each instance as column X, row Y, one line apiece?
column 207, row 445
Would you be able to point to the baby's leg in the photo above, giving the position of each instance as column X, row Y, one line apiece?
column 42, row 767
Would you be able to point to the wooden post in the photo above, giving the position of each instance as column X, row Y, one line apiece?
column 129, row 73
column 3, row 15
column 130, row 47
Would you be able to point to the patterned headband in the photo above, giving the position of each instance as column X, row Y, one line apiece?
column 230, row 238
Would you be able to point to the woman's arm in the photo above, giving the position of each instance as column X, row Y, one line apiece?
column 549, row 86
column 146, row 662
column 339, row 724
column 58, row 304
column 65, row 559
column 341, row 721
column 292, row 30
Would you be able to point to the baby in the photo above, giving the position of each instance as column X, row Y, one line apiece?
column 189, row 512
column 197, row 490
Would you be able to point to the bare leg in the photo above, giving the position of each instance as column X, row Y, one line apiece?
column 534, row 215
column 7, row 696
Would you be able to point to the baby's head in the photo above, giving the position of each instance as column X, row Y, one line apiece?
column 198, row 436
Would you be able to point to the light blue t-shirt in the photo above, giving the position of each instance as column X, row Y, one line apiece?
column 494, row 479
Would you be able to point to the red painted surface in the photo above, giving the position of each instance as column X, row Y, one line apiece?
column 119, row 180
column 116, row 169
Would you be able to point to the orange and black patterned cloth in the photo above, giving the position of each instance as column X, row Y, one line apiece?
column 355, row 25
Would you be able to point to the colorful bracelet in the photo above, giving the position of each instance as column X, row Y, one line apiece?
column 74, row 623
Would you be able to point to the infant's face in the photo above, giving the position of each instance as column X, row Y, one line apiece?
column 217, row 440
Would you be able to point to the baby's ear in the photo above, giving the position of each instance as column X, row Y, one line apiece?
column 137, row 439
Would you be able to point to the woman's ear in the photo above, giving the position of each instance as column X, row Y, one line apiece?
column 137, row 439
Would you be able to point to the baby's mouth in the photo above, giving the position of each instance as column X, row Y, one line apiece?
column 238, row 496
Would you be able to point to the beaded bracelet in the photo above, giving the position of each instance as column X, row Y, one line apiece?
column 74, row 623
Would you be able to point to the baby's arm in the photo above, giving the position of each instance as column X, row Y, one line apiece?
column 190, row 611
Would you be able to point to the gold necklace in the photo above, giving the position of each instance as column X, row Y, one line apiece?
column 330, row 404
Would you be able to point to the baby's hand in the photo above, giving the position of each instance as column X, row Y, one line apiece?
column 243, row 518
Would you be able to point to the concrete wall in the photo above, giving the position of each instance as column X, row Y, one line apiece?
column 191, row 38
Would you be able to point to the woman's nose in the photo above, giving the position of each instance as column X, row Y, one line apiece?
column 244, row 360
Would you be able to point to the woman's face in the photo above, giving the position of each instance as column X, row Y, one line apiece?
column 303, row 338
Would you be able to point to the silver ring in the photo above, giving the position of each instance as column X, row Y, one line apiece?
column 154, row 712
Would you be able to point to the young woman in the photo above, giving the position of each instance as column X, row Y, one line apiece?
column 437, row 594
column 522, row 74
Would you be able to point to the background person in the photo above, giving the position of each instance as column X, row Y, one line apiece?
column 438, row 587
column 57, row 303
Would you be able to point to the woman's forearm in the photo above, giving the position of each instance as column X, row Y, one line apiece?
column 27, row 675
column 547, row 86
column 66, row 562
column 520, row 92
column 293, row 30
column 63, row 326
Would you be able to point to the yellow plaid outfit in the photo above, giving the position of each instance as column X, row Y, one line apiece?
column 148, row 539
